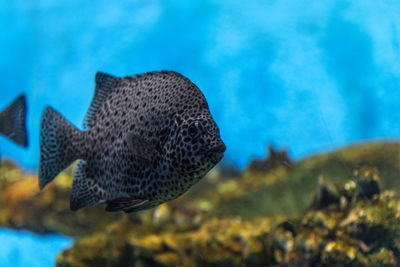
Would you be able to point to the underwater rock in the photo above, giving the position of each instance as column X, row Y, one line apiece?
column 274, row 159
column 367, row 182
column 218, row 242
column 367, row 234
column 362, row 232
column 250, row 194
column 326, row 194
column 23, row 206
column 252, row 218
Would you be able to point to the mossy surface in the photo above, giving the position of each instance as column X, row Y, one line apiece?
column 24, row 206
column 340, row 208
column 364, row 234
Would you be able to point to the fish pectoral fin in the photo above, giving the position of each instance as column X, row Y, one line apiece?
column 125, row 204
column 143, row 149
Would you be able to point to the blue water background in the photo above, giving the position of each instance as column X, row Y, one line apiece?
column 304, row 75
column 22, row 248
column 309, row 76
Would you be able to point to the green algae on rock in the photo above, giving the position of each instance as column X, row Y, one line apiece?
column 23, row 206
column 319, row 210
column 365, row 234
column 358, row 226
column 280, row 190
column 220, row 242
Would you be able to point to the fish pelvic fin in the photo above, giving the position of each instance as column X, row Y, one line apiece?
column 58, row 148
column 126, row 204
column 13, row 121
column 85, row 191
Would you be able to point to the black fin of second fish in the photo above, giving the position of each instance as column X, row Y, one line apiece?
column 13, row 121
column 105, row 83
column 85, row 191
column 57, row 147
column 126, row 204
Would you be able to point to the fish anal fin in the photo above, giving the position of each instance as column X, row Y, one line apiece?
column 104, row 85
column 126, row 204
column 85, row 191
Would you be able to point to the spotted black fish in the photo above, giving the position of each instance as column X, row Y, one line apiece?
column 13, row 121
column 147, row 139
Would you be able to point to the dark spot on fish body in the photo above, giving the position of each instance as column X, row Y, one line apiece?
column 175, row 164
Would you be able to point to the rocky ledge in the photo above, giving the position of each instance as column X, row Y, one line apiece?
column 338, row 208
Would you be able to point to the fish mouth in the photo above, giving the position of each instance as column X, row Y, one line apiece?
column 216, row 153
column 218, row 149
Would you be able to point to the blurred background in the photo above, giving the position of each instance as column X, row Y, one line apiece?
column 308, row 77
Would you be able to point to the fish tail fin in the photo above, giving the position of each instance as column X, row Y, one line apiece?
column 57, row 147
column 13, row 121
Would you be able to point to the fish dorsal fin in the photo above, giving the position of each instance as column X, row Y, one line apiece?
column 105, row 83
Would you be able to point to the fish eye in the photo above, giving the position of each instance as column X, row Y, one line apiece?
column 194, row 129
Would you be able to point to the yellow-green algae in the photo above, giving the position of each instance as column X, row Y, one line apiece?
column 272, row 214
column 366, row 234
column 24, row 206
